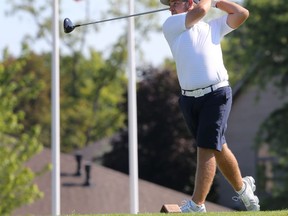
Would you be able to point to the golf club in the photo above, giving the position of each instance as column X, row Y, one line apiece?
column 69, row 27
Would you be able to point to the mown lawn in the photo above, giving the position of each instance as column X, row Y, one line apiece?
column 260, row 213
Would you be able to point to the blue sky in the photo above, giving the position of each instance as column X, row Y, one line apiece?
column 15, row 27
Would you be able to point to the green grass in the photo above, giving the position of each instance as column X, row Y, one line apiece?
column 260, row 213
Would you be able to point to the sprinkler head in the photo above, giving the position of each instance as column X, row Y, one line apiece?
column 68, row 25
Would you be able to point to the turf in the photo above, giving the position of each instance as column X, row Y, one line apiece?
column 260, row 213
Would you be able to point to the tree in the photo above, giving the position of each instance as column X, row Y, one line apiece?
column 165, row 147
column 273, row 132
column 262, row 48
column 91, row 96
column 91, row 87
column 90, row 106
column 17, row 142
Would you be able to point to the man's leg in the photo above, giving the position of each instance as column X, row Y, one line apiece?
column 245, row 187
column 228, row 165
column 205, row 173
column 206, row 168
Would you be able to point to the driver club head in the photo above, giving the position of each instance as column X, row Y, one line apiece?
column 68, row 25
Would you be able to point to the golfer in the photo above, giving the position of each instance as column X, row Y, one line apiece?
column 206, row 95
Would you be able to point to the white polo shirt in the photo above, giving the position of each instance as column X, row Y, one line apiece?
column 197, row 51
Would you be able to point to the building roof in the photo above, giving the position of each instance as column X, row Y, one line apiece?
column 108, row 191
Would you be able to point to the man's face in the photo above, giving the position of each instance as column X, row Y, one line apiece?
column 178, row 6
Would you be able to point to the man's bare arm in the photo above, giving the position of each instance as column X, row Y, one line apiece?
column 197, row 12
column 236, row 13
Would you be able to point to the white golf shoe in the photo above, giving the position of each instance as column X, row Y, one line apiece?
column 250, row 201
column 189, row 206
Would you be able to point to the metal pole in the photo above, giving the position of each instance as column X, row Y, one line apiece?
column 132, row 116
column 122, row 17
column 55, row 121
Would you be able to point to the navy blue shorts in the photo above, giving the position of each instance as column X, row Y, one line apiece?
column 206, row 117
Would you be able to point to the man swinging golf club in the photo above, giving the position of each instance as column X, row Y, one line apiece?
column 206, row 95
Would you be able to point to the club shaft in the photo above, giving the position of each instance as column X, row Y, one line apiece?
column 122, row 17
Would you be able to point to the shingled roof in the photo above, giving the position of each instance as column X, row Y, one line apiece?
column 107, row 193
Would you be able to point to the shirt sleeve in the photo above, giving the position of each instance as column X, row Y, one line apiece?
column 222, row 26
column 174, row 26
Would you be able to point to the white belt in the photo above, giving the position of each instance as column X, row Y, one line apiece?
column 203, row 91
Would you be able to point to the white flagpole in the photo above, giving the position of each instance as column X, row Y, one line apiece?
column 132, row 116
column 55, row 121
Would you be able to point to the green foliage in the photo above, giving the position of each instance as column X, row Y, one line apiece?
column 18, row 143
column 91, row 87
column 277, row 146
column 165, row 147
column 30, row 76
column 268, row 37
column 91, row 91
column 273, row 132
column 260, row 47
